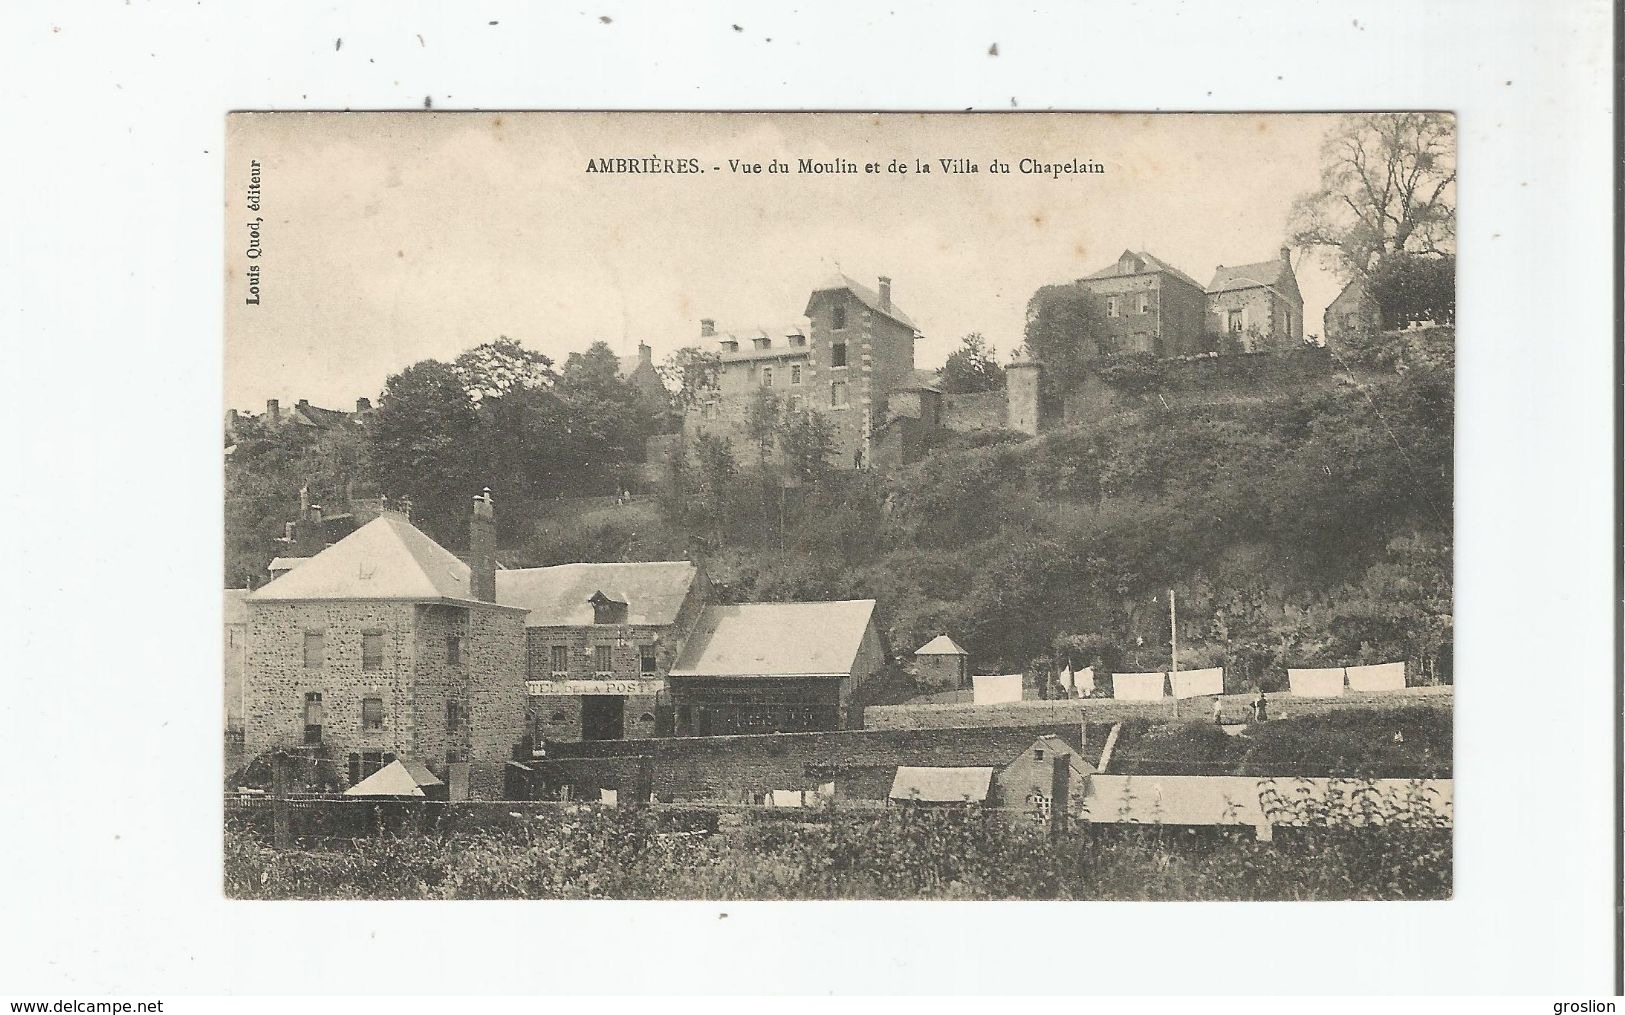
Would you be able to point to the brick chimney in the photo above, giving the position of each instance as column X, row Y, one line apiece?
column 363, row 405
column 273, row 409
column 482, row 549
column 885, row 292
column 708, row 328
column 645, row 354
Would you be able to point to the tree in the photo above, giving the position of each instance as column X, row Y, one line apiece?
column 714, row 474
column 973, row 367
column 426, row 445
column 595, row 372
column 807, row 440
column 1387, row 186
column 1063, row 332
column 1411, row 289
column 497, row 368
column 762, row 421
column 691, row 373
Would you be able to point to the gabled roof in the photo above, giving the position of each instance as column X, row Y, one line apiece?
column 941, row 645
column 387, row 558
column 867, row 296
column 1148, row 264
column 398, row 778
column 1264, row 274
column 285, row 563
column 1055, row 745
column 776, row 640
column 561, row 596
column 941, row 785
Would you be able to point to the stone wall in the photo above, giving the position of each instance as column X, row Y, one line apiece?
column 984, row 410
column 277, row 679
column 862, row 763
column 495, row 657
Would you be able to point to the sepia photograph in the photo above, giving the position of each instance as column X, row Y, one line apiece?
column 783, row 506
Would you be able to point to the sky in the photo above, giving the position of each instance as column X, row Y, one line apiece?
column 388, row 238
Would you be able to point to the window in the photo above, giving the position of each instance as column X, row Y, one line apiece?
column 837, row 354
column 1235, row 321
column 603, row 658
column 455, row 756
column 795, row 402
column 315, row 649
column 837, row 394
column 366, row 763
column 372, row 714
column 761, row 343
column 795, row 375
column 709, row 411
column 313, row 717
column 767, row 377
column 1111, row 306
column 454, row 650
column 454, row 716
column 1038, row 754
column 1145, row 303
column 798, row 340
column 730, row 346
column 372, row 650
column 559, row 659
column 1286, row 322
column 838, row 318
column 646, row 660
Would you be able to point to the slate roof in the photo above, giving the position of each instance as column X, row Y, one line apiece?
column 941, row 785
column 776, row 640
column 941, row 645
column 387, row 558
column 867, row 296
column 1150, row 265
column 315, row 415
column 398, row 778
column 560, row 596
column 1249, row 276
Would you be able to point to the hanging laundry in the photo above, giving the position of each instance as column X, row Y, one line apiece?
column 1312, row 682
column 1085, row 680
column 1138, row 686
column 993, row 690
column 1382, row 677
column 1198, row 683
column 1066, row 678
column 609, row 797
column 787, row 798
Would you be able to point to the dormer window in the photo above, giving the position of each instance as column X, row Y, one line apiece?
column 762, row 343
column 730, row 346
column 606, row 610
column 798, row 341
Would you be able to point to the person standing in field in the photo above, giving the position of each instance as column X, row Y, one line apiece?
column 1218, row 713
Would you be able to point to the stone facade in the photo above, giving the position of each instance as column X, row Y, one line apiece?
column 1353, row 313
column 1258, row 319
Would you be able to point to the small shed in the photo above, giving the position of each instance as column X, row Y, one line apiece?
column 400, row 780
column 941, row 663
column 940, row 786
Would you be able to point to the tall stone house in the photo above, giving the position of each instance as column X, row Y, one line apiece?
column 1143, row 304
column 855, row 353
column 387, row 645
column 1353, row 313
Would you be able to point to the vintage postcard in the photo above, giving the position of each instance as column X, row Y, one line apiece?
column 839, row 505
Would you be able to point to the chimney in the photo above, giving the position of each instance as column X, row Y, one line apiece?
column 309, row 534
column 273, row 409
column 708, row 327
column 482, row 549
column 885, row 292
column 304, row 403
column 363, row 405
column 645, row 354
column 1286, row 254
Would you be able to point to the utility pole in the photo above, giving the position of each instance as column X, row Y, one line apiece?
column 1173, row 631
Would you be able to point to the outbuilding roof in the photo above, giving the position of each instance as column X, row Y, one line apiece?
column 941, row 645
column 867, row 296
column 398, row 778
column 776, row 640
column 561, row 596
column 387, row 558
column 941, row 785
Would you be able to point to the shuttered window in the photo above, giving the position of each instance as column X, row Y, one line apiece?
column 560, row 661
column 372, row 651
column 372, row 713
column 603, row 658
column 315, row 649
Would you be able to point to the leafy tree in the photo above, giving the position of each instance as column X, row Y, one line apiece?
column 427, row 445
column 1411, row 289
column 1133, row 373
column 762, row 421
column 1387, row 186
column 807, row 440
column 691, row 373
column 714, row 474
column 973, row 367
column 595, row 373
column 497, row 368
column 1063, row 331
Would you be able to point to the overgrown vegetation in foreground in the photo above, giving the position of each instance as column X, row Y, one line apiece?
column 605, row 853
